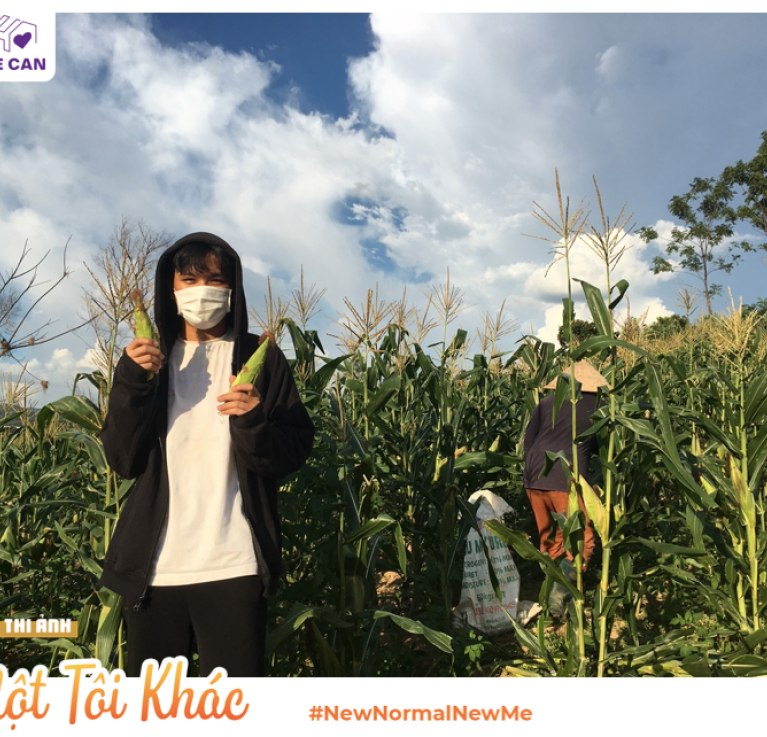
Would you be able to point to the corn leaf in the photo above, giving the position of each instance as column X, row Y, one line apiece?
column 80, row 411
column 597, row 307
column 598, row 343
column 319, row 380
column 621, row 288
column 388, row 388
column 438, row 639
column 109, row 623
column 370, row 528
column 330, row 665
column 520, row 543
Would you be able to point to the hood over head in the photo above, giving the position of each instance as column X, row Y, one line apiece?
column 166, row 315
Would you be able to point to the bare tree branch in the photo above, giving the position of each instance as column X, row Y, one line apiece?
column 124, row 264
column 13, row 317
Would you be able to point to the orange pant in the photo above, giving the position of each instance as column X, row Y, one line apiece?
column 546, row 502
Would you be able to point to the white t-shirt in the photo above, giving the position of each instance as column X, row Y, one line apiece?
column 206, row 536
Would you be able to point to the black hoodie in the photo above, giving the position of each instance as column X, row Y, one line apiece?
column 270, row 441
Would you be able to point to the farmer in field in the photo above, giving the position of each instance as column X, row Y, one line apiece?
column 548, row 494
column 197, row 547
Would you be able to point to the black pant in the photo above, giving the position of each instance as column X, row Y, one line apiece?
column 227, row 619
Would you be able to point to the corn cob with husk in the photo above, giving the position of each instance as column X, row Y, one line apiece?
column 252, row 368
column 142, row 324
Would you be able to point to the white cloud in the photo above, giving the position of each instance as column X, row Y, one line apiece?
column 49, row 378
column 459, row 123
column 589, row 267
column 517, row 270
column 608, row 61
column 63, row 363
column 552, row 321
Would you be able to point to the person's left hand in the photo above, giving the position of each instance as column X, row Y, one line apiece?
column 239, row 400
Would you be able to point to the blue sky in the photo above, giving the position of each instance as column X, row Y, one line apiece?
column 311, row 49
column 377, row 149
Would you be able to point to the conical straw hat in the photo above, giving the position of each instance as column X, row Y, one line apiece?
column 588, row 376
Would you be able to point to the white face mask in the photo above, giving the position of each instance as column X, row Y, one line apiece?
column 203, row 307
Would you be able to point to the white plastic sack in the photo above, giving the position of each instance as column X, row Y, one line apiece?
column 479, row 606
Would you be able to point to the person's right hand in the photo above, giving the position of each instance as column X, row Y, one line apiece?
column 146, row 353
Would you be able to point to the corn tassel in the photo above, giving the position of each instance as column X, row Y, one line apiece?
column 142, row 323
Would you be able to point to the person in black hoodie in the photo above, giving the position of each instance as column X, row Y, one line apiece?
column 197, row 547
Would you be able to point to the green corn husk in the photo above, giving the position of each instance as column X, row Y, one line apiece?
column 142, row 323
column 250, row 371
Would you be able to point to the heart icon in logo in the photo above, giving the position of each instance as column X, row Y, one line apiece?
column 22, row 39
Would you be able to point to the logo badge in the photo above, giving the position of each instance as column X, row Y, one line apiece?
column 27, row 45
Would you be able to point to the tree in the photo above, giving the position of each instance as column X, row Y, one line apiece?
column 582, row 330
column 666, row 326
column 751, row 179
column 760, row 307
column 702, row 244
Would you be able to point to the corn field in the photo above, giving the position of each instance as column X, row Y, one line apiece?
column 375, row 524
